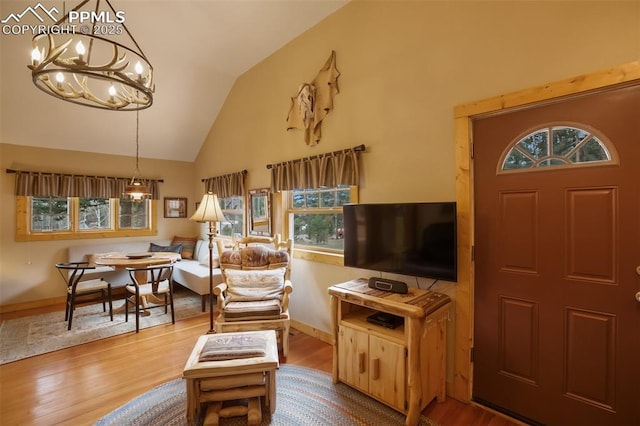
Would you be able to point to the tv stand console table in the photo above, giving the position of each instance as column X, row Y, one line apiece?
column 402, row 367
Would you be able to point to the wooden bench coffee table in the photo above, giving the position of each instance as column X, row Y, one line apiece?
column 232, row 366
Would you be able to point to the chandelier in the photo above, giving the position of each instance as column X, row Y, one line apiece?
column 93, row 65
column 136, row 189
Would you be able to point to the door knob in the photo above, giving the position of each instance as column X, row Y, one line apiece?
column 638, row 296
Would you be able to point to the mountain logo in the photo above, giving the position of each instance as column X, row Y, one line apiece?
column 38, row 11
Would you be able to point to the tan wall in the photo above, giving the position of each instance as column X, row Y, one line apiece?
column 404, row 66
column 27, row 270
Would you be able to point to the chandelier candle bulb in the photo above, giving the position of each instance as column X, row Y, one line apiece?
column 36, row 56
column 59, row 80
column 139, row 70
column 81, row 51
column 112, row 93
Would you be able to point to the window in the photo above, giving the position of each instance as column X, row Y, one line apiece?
column 49, row 218
column 233, row 209
column 133, row 214
column 50, row 214
column 95, row 213
column 557, row 146
column 315, row 217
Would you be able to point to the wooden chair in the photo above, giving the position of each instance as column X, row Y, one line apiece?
column 153, row 288
column 78, row 290
column 254, row 294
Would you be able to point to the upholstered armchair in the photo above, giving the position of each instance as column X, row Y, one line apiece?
column 254, row 294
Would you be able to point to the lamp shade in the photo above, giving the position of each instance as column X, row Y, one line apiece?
column 209, row 210
column 136, row 190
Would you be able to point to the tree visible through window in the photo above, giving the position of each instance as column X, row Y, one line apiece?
column 50, row 214
column 78, row 215
column 95, row 213
column 317, row 220
column 556, row 146
column 233, row 209
column 133, row 214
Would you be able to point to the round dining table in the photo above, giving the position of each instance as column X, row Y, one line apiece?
column 137, row 260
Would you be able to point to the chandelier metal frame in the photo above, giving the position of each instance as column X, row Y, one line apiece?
column 99, row 72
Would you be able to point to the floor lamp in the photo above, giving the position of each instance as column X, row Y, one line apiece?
column 209, row 211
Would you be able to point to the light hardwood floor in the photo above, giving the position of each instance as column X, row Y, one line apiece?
column 77, row 386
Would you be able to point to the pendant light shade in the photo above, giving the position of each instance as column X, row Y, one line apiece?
column 137, row 190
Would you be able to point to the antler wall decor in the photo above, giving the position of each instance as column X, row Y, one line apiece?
column 313, row 102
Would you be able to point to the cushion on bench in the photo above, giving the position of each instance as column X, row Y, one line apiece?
column 253, row 310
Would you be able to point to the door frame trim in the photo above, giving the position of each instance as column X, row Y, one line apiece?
column 623, row 75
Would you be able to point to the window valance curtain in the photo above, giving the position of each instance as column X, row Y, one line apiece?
column 228, row 185
column 325, row 170
column 41, row 184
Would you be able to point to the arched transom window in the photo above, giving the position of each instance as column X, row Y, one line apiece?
column 557, row 146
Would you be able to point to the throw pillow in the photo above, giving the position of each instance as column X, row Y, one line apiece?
column 202, row 253
column 254, row 285
column 188, row 245
column 177, row 248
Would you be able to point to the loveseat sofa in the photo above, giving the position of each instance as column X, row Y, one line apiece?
column 192, row 271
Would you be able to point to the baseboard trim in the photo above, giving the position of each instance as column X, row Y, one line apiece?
column 34, row 304
column 312, row 331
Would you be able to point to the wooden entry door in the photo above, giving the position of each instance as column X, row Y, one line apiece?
column 556, row 322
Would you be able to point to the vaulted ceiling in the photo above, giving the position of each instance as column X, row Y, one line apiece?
column 197, row 48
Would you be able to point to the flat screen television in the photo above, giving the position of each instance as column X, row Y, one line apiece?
column 417, row 239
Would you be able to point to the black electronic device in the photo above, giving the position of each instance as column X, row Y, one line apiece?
column 386, row 320
column 415, row 239
column 386, row 284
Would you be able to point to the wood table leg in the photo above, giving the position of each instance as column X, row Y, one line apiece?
column 270, row 397
column 141, row 277
column 191, row 401
column 144, row 304
column 334, row 336
column 414, row 381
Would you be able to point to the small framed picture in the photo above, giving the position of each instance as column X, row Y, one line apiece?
column 175, row 207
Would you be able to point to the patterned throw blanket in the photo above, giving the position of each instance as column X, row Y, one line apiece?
column 220, row 347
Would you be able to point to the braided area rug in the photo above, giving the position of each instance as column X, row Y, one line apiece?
column 304, row 397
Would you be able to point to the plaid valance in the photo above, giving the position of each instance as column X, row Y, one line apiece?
column 45, row 184
column 324, row 170
column 228, row 185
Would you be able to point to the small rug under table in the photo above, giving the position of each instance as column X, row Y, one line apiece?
column 38, row 334
column 304, row 397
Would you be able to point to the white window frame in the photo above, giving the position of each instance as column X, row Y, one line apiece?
column 238, row 211
column 542, row 161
